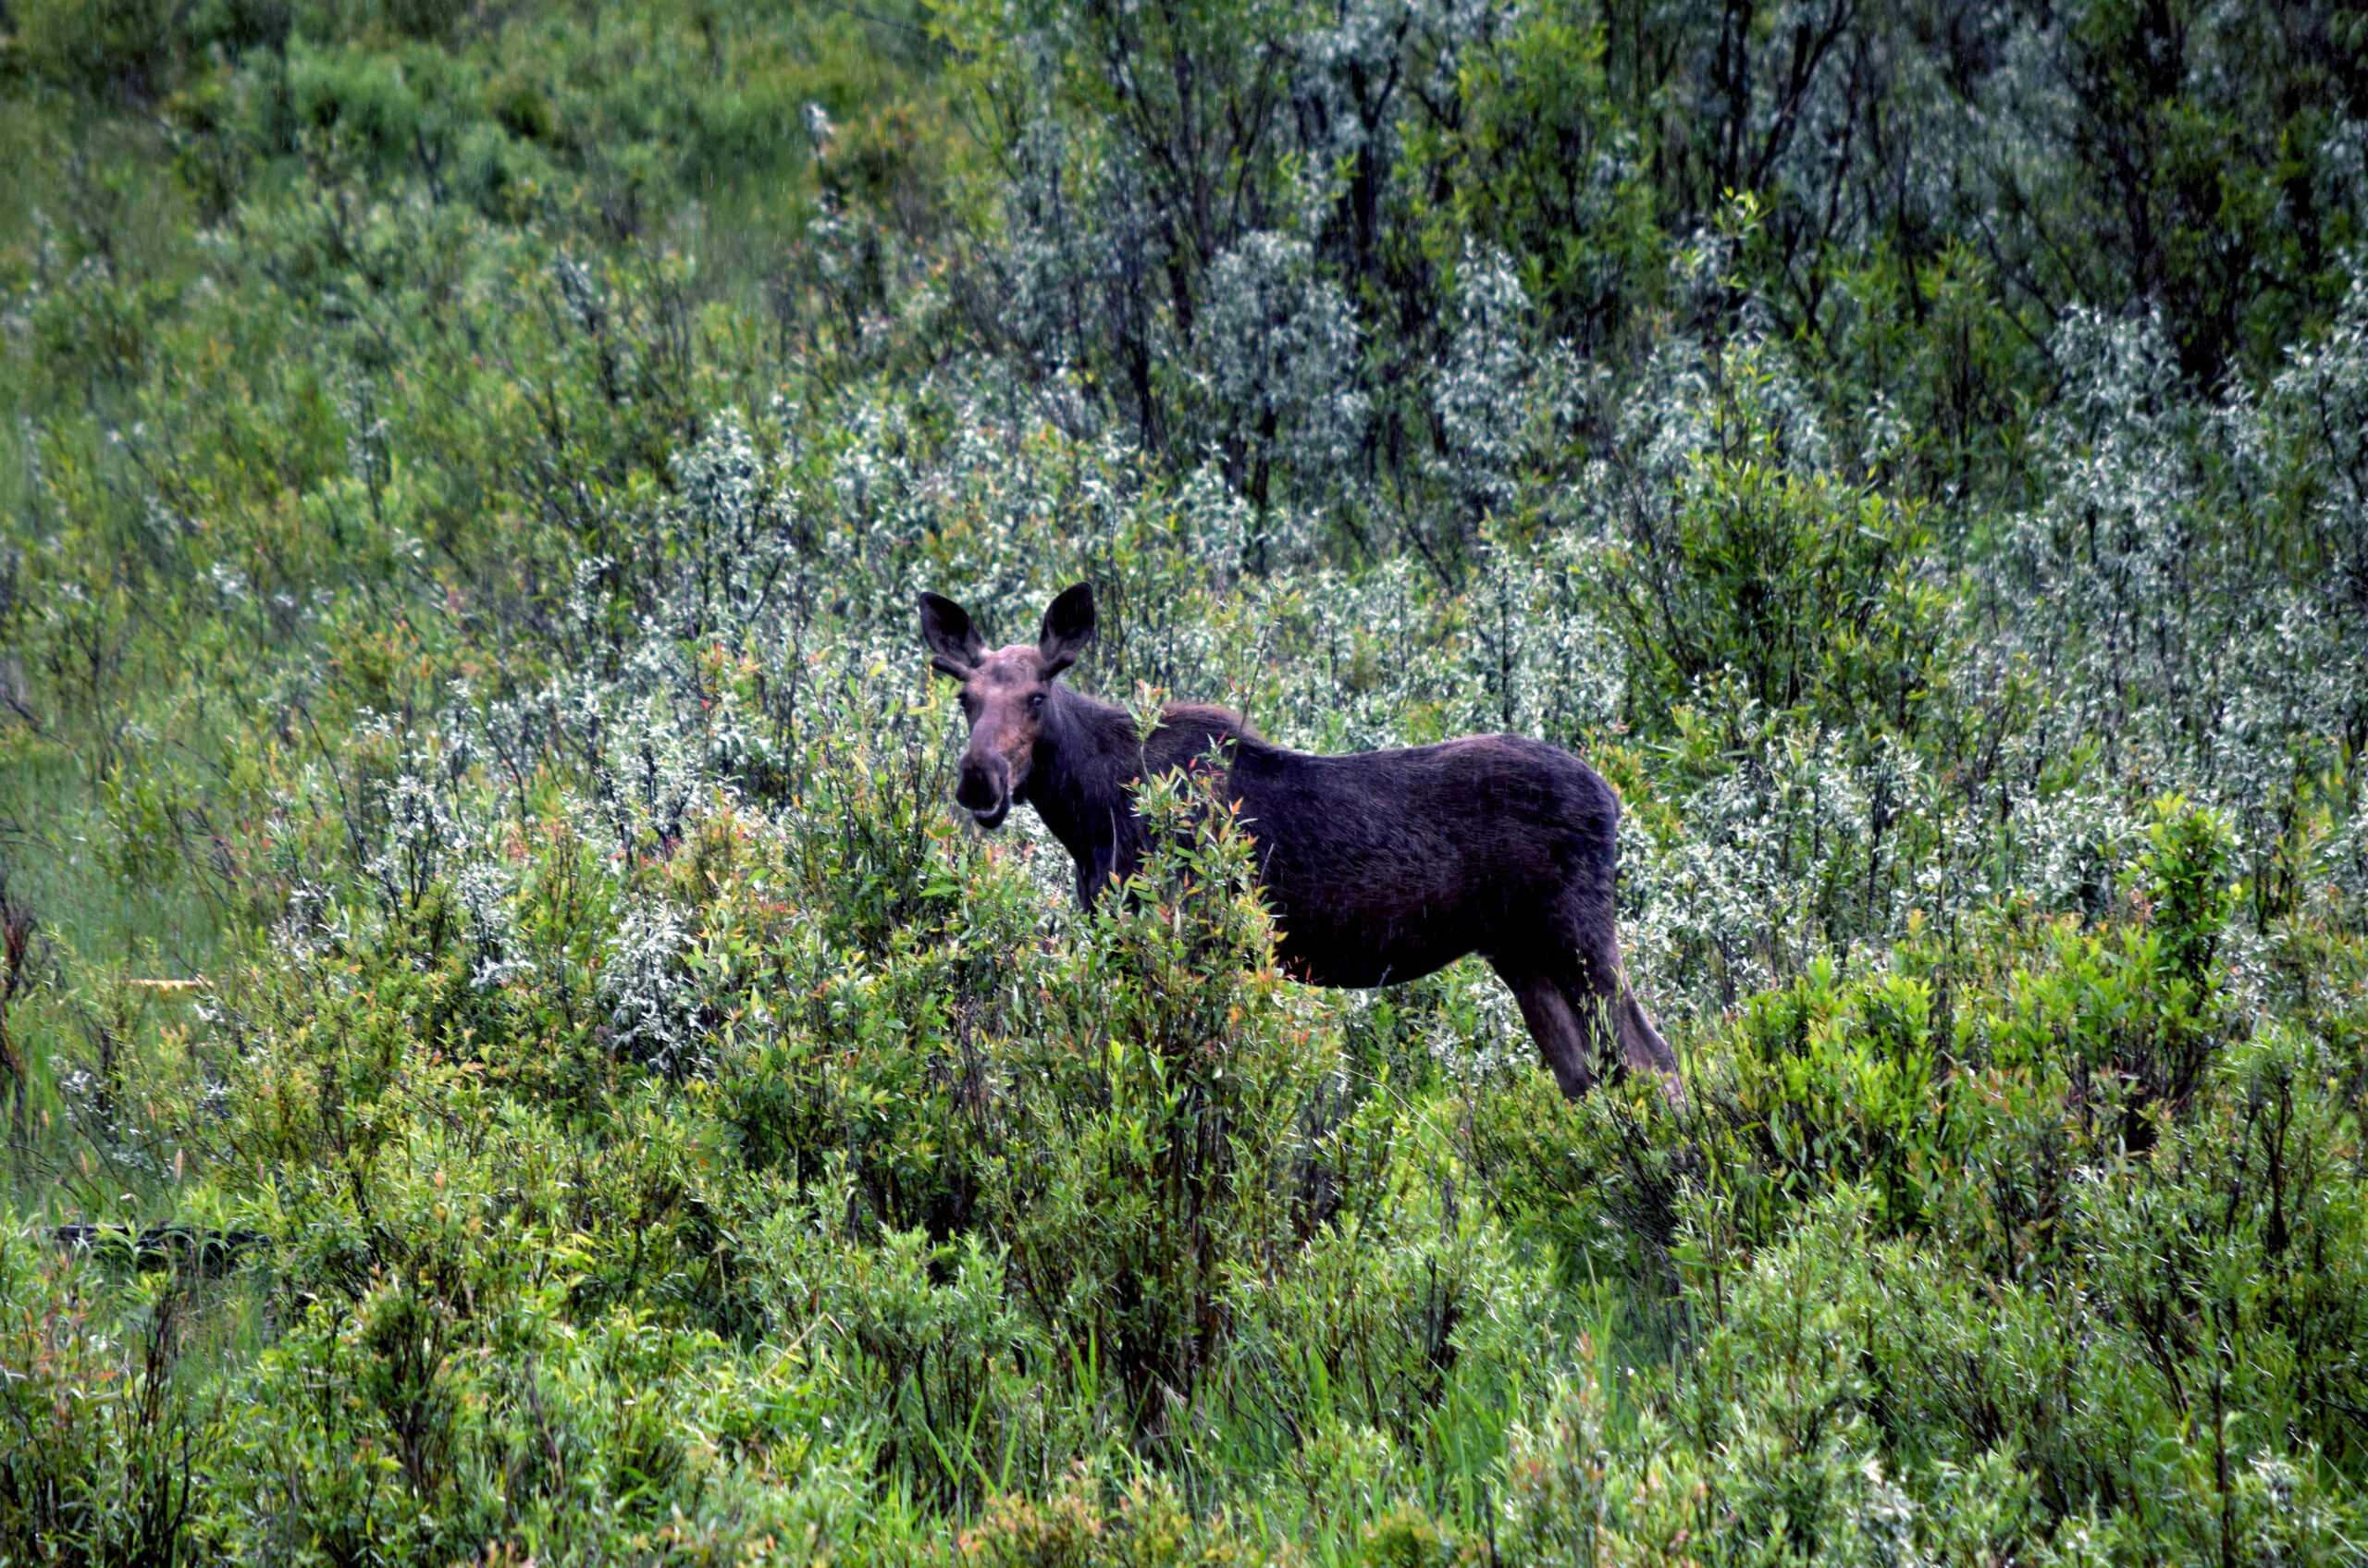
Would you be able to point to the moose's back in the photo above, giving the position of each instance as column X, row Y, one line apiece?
column 1383, row 866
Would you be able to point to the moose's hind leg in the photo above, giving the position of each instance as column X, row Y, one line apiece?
column 1562, row 1042
column 1617, row 1033
column 1641, row 1045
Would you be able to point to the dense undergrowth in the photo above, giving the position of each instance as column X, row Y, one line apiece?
column 508, row 1054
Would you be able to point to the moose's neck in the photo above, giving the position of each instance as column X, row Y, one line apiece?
column 1085, row 756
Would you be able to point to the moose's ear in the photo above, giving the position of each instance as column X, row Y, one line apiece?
column 955, row 645
column 1068, row 626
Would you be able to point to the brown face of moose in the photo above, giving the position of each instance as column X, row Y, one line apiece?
column 1004, row 694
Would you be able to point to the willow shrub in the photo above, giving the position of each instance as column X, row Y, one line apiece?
column 920, row 1216
column 95, row 1430
column 2038, row 1240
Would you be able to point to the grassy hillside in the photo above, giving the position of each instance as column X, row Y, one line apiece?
column 481, row 900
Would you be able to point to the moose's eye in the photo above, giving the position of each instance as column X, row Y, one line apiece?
column 1036, row 702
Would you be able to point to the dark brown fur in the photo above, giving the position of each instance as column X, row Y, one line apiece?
column 1380, row 866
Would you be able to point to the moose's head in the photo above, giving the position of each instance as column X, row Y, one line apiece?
column 1006, row 693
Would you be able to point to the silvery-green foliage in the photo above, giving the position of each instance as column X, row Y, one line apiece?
column 1281, row 351
column 1362, row 64
column 1076, row 278
column 1779, row 836
column 2106, row 554
column 486, row 889
column 1479, row 397
column 423, row 838
column 1358, row 662
column 1218, row 520
column 1348, row 688
column 1479, row 1036
column 1192, row 203
column 2166, row 636
column 737, row 543
column 2343, row 164
column 656, row 763
column 2115, row 608
column 1693, row 401
column 1535, row 644
column 1854, row 127
column 1719, row 904
column 1800, row 829
column 658, row 1015
column 2318, row 410
column 644, row 737
column 1812, row 843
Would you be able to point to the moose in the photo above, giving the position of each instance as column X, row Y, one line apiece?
column 1379, row 866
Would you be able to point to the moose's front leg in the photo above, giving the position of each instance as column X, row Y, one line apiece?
column 1094, row 869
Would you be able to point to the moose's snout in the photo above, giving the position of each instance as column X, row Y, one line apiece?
column 985, row 789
